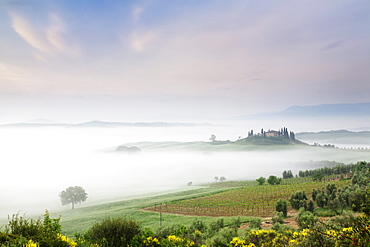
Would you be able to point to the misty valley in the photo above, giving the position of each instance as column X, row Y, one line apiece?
column 147, row 172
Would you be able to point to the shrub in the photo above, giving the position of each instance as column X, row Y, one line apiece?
column 255, row 223
column 215, row 226
column 278, row 218
column 27, row 228
column 178, row 230
column 278, row 227
column 282, row 206
column 113, row 232
column 298, row 200
column 321, row 200
column 235, row 223
column 310, row 206
column 306, row 219
column 30, row 232
column 198, row 225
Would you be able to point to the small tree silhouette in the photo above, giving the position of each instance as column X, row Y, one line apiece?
column 74, row 195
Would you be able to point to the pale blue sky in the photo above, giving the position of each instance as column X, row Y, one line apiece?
column 141, row 60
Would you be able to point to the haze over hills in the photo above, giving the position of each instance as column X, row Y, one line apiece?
column 104, row 124
column 324, row 110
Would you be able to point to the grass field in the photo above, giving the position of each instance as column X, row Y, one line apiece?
column 82, row 218
column 205, row 203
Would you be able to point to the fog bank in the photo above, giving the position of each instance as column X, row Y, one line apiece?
column 38, row 163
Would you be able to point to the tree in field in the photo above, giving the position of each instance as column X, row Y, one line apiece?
column 212, row 138
column 273, row 180
column 222, row 179
column 287, row 174
column 73, row 195
column 321, row 200
column 261, row 180
column 298, row 200
column 282, row 206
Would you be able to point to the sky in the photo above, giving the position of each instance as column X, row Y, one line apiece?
column 151, row 60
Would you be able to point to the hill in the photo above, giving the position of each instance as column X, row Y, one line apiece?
column 270, row 140
column 323, row 110
column 337, row 137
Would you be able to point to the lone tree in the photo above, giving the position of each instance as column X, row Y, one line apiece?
column 74, row 195
column 212, row 138
column 261, row 180
column 282, row 206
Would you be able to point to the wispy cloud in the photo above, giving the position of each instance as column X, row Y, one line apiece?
column 10, row 72
column 333, row 45
column 28, row 33
column 55, row 32
column 49, row 40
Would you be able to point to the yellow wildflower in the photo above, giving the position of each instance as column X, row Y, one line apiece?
column 67, row 240
column 304, row 232
column 349, row 229
column 331, row 233
column 30, row 243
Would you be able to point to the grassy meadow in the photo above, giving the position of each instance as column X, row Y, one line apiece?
column 81, row 218
column 228, row 200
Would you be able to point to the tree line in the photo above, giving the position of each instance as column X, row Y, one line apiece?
column 283, row 132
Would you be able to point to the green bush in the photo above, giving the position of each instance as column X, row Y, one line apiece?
column 298, row 200
column 112, row 232
column 46, row 232
column 282, row 206
column 198, row 225
column 178, row 230
column 235, row 223
column 278, row 218
column 306, row 219
column 27, row 228
column 278, row 227
column 215, row 226
column 255, row 223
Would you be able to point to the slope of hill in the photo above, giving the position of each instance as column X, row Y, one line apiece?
column 324, row 110
column 337, row 137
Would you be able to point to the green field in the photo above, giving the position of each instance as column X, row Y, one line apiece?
column 205, row 203
column 82, row 218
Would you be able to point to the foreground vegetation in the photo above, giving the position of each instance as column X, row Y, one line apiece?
column 348, row 199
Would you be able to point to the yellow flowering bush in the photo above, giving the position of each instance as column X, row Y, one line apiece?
column 30, row 243
column 237, row 242
column 173, row 240
column 70, row 242
column 151, row 242
column 197, row 233
column 357, row 235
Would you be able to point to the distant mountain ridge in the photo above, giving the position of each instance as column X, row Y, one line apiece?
column 106, row 124
column 323, row 110
column 359, row 109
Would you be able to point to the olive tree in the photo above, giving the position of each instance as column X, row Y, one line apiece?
column 73, row 195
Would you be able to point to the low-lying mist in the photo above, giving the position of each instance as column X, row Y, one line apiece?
column 38, row 163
